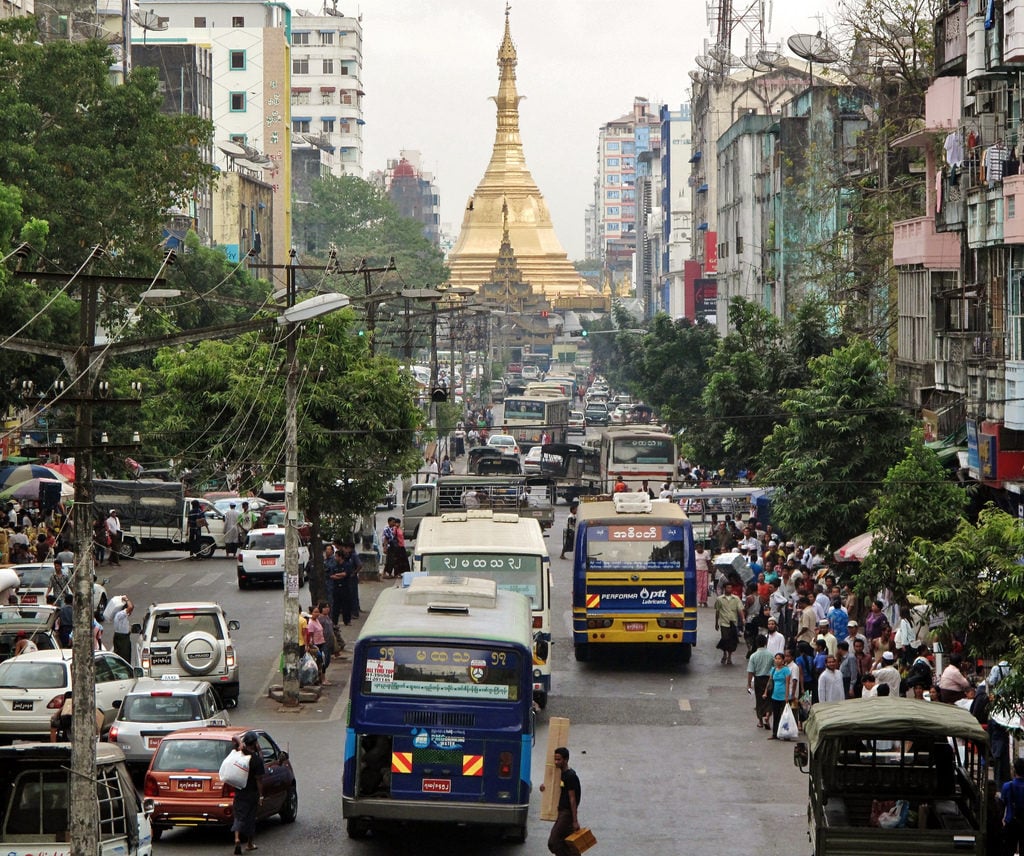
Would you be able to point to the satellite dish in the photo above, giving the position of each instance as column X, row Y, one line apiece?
column 148, row 20
column 696, row 76
column 772, row 58
column 707, row 63
column 232, row 149
column 248, row 164
column 755, row 63
column 870, row 113
column 724, row 56
column 813, row 49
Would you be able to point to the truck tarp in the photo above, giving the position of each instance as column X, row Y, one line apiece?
column 889, row 719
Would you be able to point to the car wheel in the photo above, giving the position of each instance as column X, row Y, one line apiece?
column 128, row 549
column 158, row 832
column 243, row 584
column 290, row 809
column 582, row 653
column 357, row 827
column 516, row 834
column 207, row 548
column 198, row 653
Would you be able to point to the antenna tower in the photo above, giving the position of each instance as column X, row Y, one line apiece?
column 743, row 18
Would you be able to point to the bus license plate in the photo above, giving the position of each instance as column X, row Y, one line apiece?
column 437, row 786
column 635, row 625
column 268, row 560
column 190, row 784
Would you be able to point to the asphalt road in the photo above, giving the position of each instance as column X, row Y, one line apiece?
column 670, row 759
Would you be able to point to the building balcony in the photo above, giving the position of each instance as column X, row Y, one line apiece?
column 1013, row 209
column 916, row 242
column 951, row 40
column 1013, row 39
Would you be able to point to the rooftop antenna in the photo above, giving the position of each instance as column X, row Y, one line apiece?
column 725, row 57
column 148, row 21
column 813, row 49
column 755, row 63
column 773, row 59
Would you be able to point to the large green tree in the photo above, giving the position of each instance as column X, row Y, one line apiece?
column 844, row 431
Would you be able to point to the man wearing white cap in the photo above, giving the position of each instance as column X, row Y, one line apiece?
column 888, row 673
column 114, row 528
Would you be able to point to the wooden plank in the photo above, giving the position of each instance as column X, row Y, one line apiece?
column 558, row 735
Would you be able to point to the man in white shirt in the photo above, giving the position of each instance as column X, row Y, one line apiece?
column 830, row 682
column 888, row 673
column 666, row 491
column 114, row 528
column 776, row 641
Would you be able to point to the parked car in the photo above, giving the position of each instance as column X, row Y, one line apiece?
column 35, row 580
column 32, row 622
column 183, row 785
column 261, row 558
column 34, row 686
column 194, row 636
column 155, row 708
column 577, row 423
column 505, row 443
column 275, row 514
column 620, row 414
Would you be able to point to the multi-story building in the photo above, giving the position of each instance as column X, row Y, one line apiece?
column 676, row 215
column 413, row 191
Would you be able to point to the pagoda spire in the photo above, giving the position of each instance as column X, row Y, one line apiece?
column 508, row 145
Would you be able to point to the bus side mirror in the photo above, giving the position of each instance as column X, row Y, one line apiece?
column 800, row 757
column 541, row 649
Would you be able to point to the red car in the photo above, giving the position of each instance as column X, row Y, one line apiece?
column 273, row 514
column 183, row 785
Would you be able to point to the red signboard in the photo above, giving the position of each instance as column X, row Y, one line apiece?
column 710, row 253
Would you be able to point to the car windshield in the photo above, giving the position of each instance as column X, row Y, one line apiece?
column 172, row 627
column 36, row 577
column 9, row 639
column 33, row 675
column 160, row 708
column 203, row 756
column 275, row 517
column 266, row 541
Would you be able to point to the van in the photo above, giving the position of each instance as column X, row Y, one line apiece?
column 924, row 762
column 497, row 390
column 35, row 791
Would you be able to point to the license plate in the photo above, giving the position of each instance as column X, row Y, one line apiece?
column 437, row 786
column 29, row 598
column 268, row 560
column 23, row 705
column 190, row 785
column 635, row 625
column 153, row 742
column 161, row 660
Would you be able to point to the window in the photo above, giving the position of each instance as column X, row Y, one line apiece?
column 300, row 97
column 199, row 23
column 344, row 71
column 611, row 147
column 326, row 97
column 328, row 66
column 628, row 195
column 629, row 212
column 612, row 194
column 326, row 38
column 613, row 179
column 629, row 148
column 739, row 245
column 300, row 126
column 236, row 60
column 113, row 817
column 346, row 97
column 611, row 162
column 327, row 126
column 300, row 66
column 237, row 102
column 237, row 22
column 612, row 210
column 345, row 126
column 629, row 163
column 613, row 227
column 300, row 38
column 1011, row 207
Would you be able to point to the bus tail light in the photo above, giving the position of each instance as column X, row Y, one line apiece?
column 676, row 623
column 597, row 623
column 505, row 765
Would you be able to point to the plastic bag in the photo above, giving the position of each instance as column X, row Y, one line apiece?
column 114, row 606
column 896, row 817
column 309, row 672
column 787, row 725
column 235, row 769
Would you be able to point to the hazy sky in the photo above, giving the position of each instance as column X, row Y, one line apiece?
column 429, row 67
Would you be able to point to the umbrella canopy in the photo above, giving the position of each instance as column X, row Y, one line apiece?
column 23, row 472
column 29, row 490
column 64, row 471
column 855, row 549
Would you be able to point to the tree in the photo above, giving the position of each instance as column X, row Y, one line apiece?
column 843, row 433
column 917, row 500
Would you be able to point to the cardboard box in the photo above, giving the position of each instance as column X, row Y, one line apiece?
column 580, row 842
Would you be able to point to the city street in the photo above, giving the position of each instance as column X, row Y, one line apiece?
column 669, row 757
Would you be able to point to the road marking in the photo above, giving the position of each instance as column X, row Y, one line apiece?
column 133, row 580
column 684, row 704
column 209, row 579
column 169, row 581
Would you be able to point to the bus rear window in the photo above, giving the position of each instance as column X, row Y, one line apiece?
column 643, row 451
column 430, row 671
column 524, row 408
column 520, row 574
column 635, row 555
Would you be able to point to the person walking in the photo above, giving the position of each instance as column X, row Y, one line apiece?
column 567, row 821
column 246, row 521
column 231, row 531
column 347, row 569
column 759, row 670
column 830, row 682
column 702, row 562
column 1013, row 813
column 569, row 533
column 196, row 524
column 115, row 535
column 123, row 631
column 396, row 556
column 59, row 582
column 728, row 621
column 248, row 800
column 777, row 691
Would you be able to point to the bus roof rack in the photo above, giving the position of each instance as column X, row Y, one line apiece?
column 452, row 593
column 632, row 503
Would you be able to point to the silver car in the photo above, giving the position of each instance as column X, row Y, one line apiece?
column 155, row 708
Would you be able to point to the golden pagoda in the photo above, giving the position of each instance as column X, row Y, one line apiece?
column 507, row 181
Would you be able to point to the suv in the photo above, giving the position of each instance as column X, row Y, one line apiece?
column 596, row 414
column 261, row 558
column 191, row 638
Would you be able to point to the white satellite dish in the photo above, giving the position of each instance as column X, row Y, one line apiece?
column 772, row 58
column 755, row 63
column 231, row 149
column 148, row 20
column 707, row 63
column 813, row 49
column 248, row 164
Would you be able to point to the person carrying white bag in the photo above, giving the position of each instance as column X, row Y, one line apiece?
column 244, row 769
column 778, row 683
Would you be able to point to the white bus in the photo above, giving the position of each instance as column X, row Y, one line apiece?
column 532, row 418
column 505, row 548
column 637, row 453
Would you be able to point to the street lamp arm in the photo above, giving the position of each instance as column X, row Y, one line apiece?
column 40, row 349
column 148, row 343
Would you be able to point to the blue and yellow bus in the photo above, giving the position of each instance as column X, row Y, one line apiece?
column 634, row 576
column 440, row 720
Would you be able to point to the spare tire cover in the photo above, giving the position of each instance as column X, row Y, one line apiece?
column 198, row 653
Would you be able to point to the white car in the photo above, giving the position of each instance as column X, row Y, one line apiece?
column 620, row 413
column 261, row 558
column 33, row 687
column 504, row 443
column 532, row 460
column 155, row 708
column 577, row 423
column 35, row 580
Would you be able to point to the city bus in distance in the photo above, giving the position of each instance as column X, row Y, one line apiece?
column 506, row 548
column 637, row 452
column 634, row 580
column 440, row 715
column 707, row 506
column 529, row 418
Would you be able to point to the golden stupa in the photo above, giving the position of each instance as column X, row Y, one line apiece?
column 507, row 181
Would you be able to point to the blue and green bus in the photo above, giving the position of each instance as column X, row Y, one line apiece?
column 634, row 579
column 440, row 720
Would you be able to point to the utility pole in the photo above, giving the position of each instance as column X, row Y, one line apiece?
column 371, row 302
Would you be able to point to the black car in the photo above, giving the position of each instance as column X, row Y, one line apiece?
column 597, row 415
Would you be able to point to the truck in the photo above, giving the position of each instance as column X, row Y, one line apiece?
column 154, row 514
column 575, row 469
column 922, row 763
column 527, row 496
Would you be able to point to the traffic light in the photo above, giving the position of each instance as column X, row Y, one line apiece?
column 583, row 333
column 439, row 394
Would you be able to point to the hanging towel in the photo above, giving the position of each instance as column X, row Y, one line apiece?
column 954, row 149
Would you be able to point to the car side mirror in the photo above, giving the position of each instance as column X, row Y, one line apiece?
column 233, row 625
column 116, row 704
column 139, row 673
column 282, row 757
column 137, row 629
column 801, row 757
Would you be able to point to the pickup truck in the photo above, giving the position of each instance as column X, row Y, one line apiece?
column 922, row 763
column 527, row 496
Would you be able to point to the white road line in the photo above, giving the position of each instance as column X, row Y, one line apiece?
column 133, row 580
column 169, row 581
column 684, row 704
column 209, row 579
